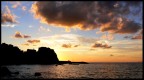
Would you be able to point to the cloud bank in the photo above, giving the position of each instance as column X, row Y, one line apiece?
column 107, row 16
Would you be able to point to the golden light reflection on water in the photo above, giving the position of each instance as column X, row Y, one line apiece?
column 81, row 71
column 61, row 71
column 106, row 70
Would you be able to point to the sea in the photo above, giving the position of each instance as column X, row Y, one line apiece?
column 78, row 71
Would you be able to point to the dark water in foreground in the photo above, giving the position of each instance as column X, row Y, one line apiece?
column 81, row 71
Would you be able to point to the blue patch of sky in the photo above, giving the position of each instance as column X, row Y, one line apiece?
column 136, row 14
column 87, row 33
column 8, row 36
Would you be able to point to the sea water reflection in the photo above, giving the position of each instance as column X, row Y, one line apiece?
column 81, row 71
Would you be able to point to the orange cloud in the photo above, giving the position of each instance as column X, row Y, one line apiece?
column 92, row 49
column 26, row 44
column 108, row 16
column 107, row 36
column 26, row 36
column 7, row 16
column 76, row 45
column 111, row 55
column 67, row 45
column 100, row 45
column 33, row 41
column 121, row 25
column 139, row 35
column 19, row 35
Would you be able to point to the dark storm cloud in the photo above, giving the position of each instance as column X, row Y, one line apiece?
column 121, row 25
column 106, row 15
column 129, row 27
column 139, row 35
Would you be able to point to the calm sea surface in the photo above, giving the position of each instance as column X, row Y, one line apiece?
column 81, row 71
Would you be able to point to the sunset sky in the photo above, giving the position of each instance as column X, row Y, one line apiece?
column 100, row 31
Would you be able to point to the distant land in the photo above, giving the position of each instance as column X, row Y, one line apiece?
column 12, row 55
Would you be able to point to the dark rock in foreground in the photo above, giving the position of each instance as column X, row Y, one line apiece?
column 69, row 62
column 13, row 55
column 16, row 73
column 5, row 71
column 37, row 74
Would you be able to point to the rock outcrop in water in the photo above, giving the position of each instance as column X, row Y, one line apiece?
column 5, row 71
column 37, row 74
column 13, row 55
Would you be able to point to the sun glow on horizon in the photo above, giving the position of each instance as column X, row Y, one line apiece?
column 92, row 32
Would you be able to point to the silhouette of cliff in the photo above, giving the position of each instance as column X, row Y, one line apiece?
column 13, row 55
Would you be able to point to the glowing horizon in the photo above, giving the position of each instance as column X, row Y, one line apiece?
column 92, row 32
